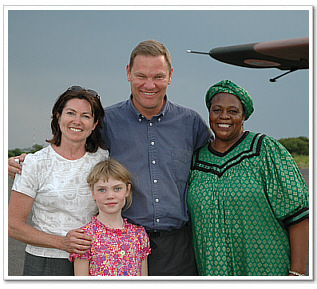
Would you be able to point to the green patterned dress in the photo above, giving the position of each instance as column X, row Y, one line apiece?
column 241, row 203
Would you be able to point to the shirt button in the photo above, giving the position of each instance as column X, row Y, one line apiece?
column 157, row 200
column 153, row 162
column 151, row 124
column 155, row 181
column 157, row 220
column 152, row 143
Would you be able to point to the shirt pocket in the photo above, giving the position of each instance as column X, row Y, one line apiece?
column 181, row 164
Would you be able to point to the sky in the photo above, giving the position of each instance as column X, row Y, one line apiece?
column 50, row 50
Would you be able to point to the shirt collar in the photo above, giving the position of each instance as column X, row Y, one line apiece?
column 138, row 114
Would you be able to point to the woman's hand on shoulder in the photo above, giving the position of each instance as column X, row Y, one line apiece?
column 76, row 241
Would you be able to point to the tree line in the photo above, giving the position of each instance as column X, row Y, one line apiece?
column 296, row 146
column 16, row 152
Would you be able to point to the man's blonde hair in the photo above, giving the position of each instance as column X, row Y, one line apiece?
column 151, row 48
column 111, row 169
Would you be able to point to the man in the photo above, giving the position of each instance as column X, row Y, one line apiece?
column 155, row 139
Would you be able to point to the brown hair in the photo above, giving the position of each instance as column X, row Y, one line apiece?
column 151, row 48
column 111, row 168
column 94, row 140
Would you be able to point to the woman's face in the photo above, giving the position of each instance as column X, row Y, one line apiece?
column 226, row 117
column 76, row 121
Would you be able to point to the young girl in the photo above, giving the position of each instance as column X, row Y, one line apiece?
column 118, row 247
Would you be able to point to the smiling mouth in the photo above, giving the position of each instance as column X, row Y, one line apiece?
column 75, row 129
column 223, row 125
column 148, row 93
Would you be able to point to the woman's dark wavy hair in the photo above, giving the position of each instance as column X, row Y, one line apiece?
column 94, row 140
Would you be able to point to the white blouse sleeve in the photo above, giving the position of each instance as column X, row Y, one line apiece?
column 28, row 182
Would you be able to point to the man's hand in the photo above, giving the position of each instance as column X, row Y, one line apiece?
column 14, row 165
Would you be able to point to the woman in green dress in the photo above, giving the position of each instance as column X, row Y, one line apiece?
column 247, row 198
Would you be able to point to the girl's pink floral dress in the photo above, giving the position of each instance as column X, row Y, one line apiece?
column 115, row 252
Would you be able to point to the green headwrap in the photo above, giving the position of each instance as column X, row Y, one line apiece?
column 232, row 88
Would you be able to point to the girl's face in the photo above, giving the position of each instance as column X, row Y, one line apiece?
column 110, row 195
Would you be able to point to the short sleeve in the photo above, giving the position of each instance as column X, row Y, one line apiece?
column 145, row 244
column 73, row 256
column 29, row 180
column 285, row 186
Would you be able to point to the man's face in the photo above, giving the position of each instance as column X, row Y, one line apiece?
column 149, row 78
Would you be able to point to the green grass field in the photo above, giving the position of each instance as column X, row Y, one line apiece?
column 302, row 161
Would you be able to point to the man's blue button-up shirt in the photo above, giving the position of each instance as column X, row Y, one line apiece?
column 158, row 153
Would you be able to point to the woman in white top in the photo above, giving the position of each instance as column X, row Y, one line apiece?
column 53, row 184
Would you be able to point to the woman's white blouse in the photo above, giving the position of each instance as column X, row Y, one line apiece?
column 62, row 197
